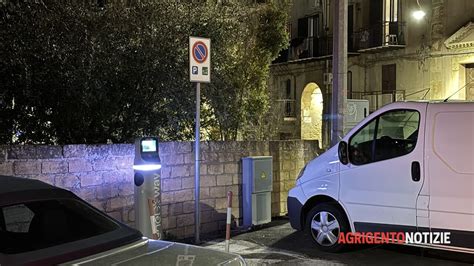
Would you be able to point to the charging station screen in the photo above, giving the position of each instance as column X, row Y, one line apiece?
column 149, row 145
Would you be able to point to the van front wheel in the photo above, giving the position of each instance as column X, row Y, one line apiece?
column 324, row 223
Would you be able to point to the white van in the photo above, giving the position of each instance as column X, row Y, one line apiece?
column 407, row 167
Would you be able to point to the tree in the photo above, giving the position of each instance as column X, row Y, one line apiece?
column 74, row 73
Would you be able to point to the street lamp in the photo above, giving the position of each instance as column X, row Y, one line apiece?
column 419, row 14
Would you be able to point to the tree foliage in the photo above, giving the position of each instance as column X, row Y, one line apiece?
column 75, row 73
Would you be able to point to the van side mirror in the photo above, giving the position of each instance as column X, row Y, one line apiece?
column 342, row 152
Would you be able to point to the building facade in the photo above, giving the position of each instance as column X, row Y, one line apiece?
column 391, row 57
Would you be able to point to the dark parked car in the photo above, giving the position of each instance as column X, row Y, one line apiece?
column 43, row 225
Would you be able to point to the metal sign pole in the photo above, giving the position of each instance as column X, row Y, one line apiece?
column 197, row 211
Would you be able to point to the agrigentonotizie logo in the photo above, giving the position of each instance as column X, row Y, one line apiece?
column 438, row 238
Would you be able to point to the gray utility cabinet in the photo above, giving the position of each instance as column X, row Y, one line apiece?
column 257, row 189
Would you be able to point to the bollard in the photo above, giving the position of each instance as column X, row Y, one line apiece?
column 229, row 214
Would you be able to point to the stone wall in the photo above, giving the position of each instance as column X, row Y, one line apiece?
column 103, row 175
column 100, row 174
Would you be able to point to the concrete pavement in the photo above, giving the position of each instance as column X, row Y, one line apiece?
column 279, row 244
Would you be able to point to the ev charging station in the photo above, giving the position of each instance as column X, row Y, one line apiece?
column 147, row 180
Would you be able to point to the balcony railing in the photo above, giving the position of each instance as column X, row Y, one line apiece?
column 378, row 99
column 301, row 48
column 381, row 35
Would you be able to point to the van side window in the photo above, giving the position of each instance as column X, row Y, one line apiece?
column 390, row 135
column 361, row 145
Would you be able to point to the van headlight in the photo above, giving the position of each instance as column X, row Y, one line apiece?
column 301, row 172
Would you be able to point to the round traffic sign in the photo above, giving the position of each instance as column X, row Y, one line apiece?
column 200, row 52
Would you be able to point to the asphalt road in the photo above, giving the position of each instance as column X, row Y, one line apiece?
column 279, row 244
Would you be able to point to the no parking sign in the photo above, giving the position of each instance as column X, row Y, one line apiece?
column 199, row 59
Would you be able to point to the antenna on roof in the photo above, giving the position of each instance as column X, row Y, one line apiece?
column 445, row 100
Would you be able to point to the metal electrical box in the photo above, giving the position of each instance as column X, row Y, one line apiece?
column 257, row 190
column 357, row 110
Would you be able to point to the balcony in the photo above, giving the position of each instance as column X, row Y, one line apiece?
column 303, row 48
column 385, row 35
column 378, row 99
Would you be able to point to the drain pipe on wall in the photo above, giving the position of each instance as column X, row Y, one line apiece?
column 229, row 217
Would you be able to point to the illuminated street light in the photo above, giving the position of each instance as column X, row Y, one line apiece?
column 419, row 14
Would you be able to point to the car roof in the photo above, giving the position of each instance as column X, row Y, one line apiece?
column 10, row 184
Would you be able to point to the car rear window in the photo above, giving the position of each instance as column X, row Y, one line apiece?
column 41, row 224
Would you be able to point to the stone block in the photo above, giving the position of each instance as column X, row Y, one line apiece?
column 167, row 197
column 209, row 227
column 217, row 192
column 224, row 180
column 117, row 215
column 6, row 168
column 131, row 215
column 45, row 178
column 206, row 216
column 67, row 181
column 189, row 231
column 120, row 176
column 79, row 165
column 177, row 233
column 221, row 203
column 174, row 159
column 226, row 157
column 185, row 219
column 165, row 172
column 180, row 171
column 184, row 195
column 236, row 179
column 103, row 164
column 175, row 209
column 106, row 192
column 188, row 158
column 87, row 193
column 22, row 152
column 54, row 167
column 231, row 168
column 215, row 169
column 171, row 184
column 49, row 152
column 116, row 203
column 126, row 189
column 164, row 210
column 203, row 169
column 210, row 157
column 204, row 193
column 124, row 162
column 90, row 179
column 208, row 181
column 188, row 207
column 187, row 182
column 208, row 204
column 288, row 165
column 27, row 167
column 121, row 149
column 184, row 147
column 98, row 204
column 72, row 151
column 168, row 223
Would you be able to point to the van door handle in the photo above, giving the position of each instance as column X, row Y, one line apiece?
column 415, row 171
